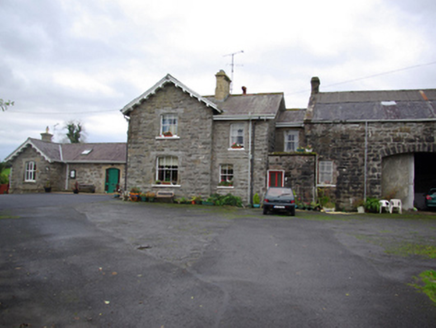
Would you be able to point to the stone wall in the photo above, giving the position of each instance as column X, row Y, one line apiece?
column 93, row 174
column 45, row 172
column 193, row 147
column 344, row 143
column 299, row 172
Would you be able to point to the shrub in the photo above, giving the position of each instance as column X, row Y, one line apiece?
column 372, row 205
column 256, row 198
column 228, row 199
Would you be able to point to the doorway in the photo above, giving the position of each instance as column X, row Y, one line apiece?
column 112, row 180
column 276, row 178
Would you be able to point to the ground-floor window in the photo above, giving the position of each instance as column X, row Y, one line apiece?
column 30, row 173
column 326, row 172
column 226, row 175
column 167, row 169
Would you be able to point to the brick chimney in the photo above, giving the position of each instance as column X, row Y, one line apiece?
column 315, row 82
column 222, row 89
column 45, row 136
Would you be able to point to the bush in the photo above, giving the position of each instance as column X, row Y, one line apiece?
column 256, row 199
column 372, row 205
column 228, row 199
column 4, row 179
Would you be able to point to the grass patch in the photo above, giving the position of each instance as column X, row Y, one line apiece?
column 407, row 249
column 5, row 217
column 426, row 283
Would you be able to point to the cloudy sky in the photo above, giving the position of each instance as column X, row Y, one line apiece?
column 63, row 60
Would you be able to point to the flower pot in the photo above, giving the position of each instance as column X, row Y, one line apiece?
column 256, row 205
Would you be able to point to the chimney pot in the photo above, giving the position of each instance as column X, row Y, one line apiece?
column 315, row 82
column 244, row 90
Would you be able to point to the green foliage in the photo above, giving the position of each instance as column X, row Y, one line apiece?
column 228, row 199
column 323, row 197
column 74, row 131
column 427, row 280
column 135, row 190
column 5, row 104
column 4, row 179
column 256, row 198
column 372, row 205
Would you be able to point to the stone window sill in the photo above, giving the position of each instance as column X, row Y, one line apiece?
column 166, row 138
column 236, row 149
column 165, row 186
column 326, row 185
column 225, row 187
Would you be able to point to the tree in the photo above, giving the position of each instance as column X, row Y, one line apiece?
column 5, row 104
column 74, row 130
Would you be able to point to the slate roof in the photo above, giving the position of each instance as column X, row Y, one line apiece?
column 375, row 105
column 159, row 85
column 291, row 117
column 257, row 104
column 72, row 153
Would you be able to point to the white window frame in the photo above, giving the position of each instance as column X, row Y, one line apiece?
column 225, row 175
column 237, row 134
column 167, row 162
column 30, row 172
column 169, row 122
column 288, row 143
column 325, row 172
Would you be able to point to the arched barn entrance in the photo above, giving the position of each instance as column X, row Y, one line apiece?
column 408, row 177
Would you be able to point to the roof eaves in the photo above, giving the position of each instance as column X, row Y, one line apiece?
column 23, row 146
column 167, row 79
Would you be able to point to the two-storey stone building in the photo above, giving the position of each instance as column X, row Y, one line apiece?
column 199, row 145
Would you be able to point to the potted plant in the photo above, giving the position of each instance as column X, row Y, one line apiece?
column 309, row 149
column 134, row 194
column 167, row 134
column 300, row 149
column 329, row 207
column 208, row 201
column 236, row 145
column 47, row 186
column 150, row 196
column 158, row 182
column 143, row 197
column 226, row 184
column 256, row 200
column 196, row 200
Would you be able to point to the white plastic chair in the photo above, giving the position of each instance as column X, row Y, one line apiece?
column 385, row 203
column 395, row 203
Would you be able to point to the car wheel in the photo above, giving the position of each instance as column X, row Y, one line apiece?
column 292, row 211
column 265, row 210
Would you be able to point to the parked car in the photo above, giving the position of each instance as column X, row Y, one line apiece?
column 279, row 199
column 430, row 198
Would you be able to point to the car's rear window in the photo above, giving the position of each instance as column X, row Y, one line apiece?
column 279, row 191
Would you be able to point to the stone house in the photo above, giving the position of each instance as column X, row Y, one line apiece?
column 197, row 145
column 365, row 144
column 38, row 163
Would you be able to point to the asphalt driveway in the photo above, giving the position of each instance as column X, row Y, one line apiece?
column 92, row 261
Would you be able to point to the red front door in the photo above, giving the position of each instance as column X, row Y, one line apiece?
column 275, row 178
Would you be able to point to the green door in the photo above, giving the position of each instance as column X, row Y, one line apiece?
column 112, row 180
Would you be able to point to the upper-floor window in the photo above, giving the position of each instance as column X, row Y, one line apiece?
column 326, row 172
column 237, row 135
column 226, row 175
column 167, row 169
column 291, row 140
column 168, row 126
column 30, row 173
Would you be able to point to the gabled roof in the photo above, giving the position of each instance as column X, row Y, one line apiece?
column 263, row 105
column 393, row 105
column 74, row 153
column 159, row 85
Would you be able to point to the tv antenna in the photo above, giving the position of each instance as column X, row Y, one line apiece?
column 233, row 65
